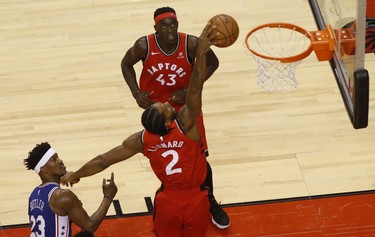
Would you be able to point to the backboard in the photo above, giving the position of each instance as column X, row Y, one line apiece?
column 348, row 62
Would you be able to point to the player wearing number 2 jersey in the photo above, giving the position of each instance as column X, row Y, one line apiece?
column 176, row 148
column 172, row 142
column 52, row 209
column 180, row 164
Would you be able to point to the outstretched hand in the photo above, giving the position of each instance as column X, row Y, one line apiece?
column 110, row 188
column 68, row 179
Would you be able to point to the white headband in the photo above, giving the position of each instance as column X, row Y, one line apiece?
column 44, row 159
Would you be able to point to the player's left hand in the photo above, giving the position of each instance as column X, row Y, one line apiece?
column 178, row 96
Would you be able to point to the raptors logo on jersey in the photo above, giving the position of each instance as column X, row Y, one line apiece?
column 171, row 69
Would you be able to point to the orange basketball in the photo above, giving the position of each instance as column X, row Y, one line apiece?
column 227, row 28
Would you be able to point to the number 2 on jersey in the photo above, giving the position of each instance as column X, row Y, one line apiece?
column 170, row 167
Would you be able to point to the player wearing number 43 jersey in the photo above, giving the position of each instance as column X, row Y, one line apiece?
column 172, row 142
column 52, row 209
column 165, row 72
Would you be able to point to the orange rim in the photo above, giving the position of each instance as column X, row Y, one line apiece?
column 289, row 59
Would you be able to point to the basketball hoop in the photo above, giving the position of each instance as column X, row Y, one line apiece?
column 278, row 48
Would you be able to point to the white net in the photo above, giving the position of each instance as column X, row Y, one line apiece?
column 275, row 76
column 278, row 42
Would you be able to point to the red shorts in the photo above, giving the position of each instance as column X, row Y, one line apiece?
column 181, row 213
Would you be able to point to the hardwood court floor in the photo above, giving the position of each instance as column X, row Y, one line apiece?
column 61, row 82
column 342, row 215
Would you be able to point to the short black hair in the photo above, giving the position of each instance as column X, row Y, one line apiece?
column 83, row 233
column 162, row 10
column 36, row 154
column 154, row 121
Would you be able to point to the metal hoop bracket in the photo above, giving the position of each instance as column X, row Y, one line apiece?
column 322, row 43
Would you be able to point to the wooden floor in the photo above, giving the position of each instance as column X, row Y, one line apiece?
column 61, row 82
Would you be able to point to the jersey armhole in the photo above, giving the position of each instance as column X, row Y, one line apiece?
column 147, row 49
column 51, row 192
column 178, row 125
column 190, row 60
column 142, row 136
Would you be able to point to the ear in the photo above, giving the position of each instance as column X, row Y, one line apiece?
column 155, row 28
column 168, row 123
column 43, row 169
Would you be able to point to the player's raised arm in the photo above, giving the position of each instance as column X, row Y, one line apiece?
column 193, row 107
column 211, row 58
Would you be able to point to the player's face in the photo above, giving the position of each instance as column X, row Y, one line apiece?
column 55, row 166
column 167, row 30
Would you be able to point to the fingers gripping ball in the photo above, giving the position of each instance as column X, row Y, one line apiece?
column 227, row 28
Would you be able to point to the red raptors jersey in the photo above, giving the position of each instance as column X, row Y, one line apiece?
column 165, row 73
column 178, row 161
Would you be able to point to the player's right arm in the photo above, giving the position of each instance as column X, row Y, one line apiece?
column 189, row 113
column 135, row 54
column 212, row 60
column 129, row 147
column 64, row 202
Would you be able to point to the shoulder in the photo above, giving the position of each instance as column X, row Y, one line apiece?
column 192, row 45
column 137, row 52
column 134, row 142
column 192, row 41
column 192, row 38
column 135, row 137
column 141, row 43
column 62, row 198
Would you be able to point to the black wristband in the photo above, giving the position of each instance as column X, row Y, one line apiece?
column 107, row 196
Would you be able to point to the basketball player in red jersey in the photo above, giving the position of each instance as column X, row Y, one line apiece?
column 168, row 58
column 172, row 142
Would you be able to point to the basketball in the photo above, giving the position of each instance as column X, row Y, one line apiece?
column 227, row 28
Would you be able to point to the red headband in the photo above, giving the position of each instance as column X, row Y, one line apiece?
column 165, row 15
